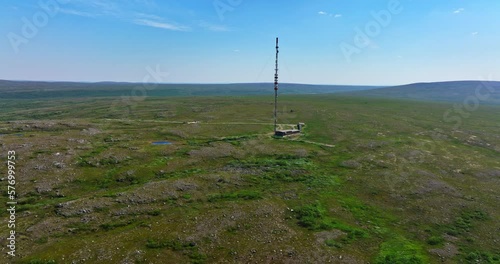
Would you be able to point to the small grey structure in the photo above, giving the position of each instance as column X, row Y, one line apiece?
column 282, row 133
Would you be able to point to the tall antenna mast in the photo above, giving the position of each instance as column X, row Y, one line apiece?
column 276, row 89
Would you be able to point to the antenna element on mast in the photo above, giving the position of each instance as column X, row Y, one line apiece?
column 276, row 89
column 286, row 132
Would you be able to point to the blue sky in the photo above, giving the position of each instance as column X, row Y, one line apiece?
column 376, row 42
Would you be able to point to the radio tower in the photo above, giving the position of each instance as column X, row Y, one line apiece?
column 276, row 89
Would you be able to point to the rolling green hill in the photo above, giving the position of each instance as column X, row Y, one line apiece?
column 458, row 91
column 486, row 92
column 48, row 90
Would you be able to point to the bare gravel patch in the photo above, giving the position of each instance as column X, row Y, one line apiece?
column 82, row 206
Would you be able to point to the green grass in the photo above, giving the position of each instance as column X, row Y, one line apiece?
column 113, row 225
column 187, row 248
column 482, row 257
column 400, row 251
column 465, row 222
column 435, row 240
column 315, row 217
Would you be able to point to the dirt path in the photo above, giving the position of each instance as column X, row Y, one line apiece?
column 227, row 123
column 318, row 143
column 195, row 122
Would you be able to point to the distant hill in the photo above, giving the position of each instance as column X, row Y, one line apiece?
column 456, row 91
column 33, row 89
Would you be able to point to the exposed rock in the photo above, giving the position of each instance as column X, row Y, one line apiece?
column 351, row 164
column 91, row 131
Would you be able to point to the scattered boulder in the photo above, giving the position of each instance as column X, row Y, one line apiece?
column 351, row 164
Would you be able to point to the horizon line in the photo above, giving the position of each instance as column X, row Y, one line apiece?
column 232, row 83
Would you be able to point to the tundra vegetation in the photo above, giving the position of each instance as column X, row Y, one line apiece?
column 369, row 180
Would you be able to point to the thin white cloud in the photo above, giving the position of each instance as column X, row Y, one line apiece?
column 149, row 3
column 91, row 8
column 323, row 13
column 458, row 11
column 103, row 5
column 148, row 16
column 162, row 25
column 76, row 13
column 474, row 33
column 96, row 8
column 98, row 4
column 214, row 27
